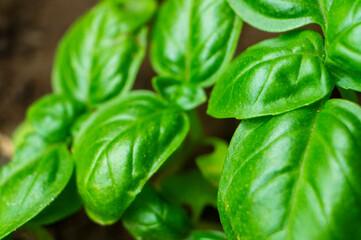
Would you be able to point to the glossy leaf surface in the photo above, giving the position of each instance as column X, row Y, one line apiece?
column 273, row 77
column 211, row 164
column 190, row 189
column 207, row 235
column 151, row 217
column 100, row 55
column 295, row 176
column 343, row 43
column 193, row 40
column 120, row 147
column 52, row 116
column 27, row 187
column 281, row 15
column 180, row 94
column 67, row 203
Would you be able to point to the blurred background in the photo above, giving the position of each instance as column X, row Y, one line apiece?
column 29, row 34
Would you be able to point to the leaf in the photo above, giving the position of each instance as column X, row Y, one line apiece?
column 99, row 57
column 120, row 147
column 207, row 235
column 52, row 116
column 183, row 95
column 32, row 146
column 343, row 43
column 211, row 164
column 194, row 40
column 295, row 176
column 151, row 217
column 27, row 187
column 281, row 15
column 20, row 133
column 272, row 77
column 67, row 203
column 191, row 189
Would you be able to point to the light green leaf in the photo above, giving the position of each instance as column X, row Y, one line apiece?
column 281, row 15
column 67, row 203
column 52, row 116
column 100, row 55
column 191, row 189
column 207, row 235
column 272, row 77
column 295, row 176
column 150, row 217
column 27, row 187
column 183, row 95
column 120, row 147
column 21, row 132
column 193, row 40
column 343, row 43
column 211, row 164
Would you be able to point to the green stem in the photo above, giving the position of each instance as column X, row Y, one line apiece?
column 348, row 94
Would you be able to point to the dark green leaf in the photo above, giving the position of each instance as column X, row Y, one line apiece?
column 66, row 204
column 207, row 235
column 120, row 147
column 281, row 15
column 150, row 217
column 343, row 43
column 211, row 164
column 295, row 176
column 193, row 40
column 181, row 94
column 191, row 189
column 27, row 187
column 99, row 57
column 52, row 116
column 273, row 77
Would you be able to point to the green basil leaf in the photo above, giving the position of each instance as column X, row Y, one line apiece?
column 211, row 164
column 120, row 147
column 193, row 40
column 191, row 189
column 343, row 43
column 99, row 57
column 32, row 146
column 295, row 176
column 67, row 203
column 185, row 96
column 52, row 116
column 150, row 217
column 281, row 15
column 272, row 77
column 21, row 132
column 207, row 235
column 79, row 122
column 8, row 237
column 27, row 187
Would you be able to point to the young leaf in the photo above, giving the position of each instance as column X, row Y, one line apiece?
column 183, row 95
column 120, row 147
column 27, row 187
column 282, row 15
column 21, row 132
column 207, row 235
column 99, row 57
column 32, row 146
column 193, row 40
column 272, row 77
column 67, row 203
column 191, row 189
column 52, row 116
column 343, row 43
column 295, row 176
column 211, row 164
column 150, row 217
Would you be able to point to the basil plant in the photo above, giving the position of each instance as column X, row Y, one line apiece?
column 292, row 170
